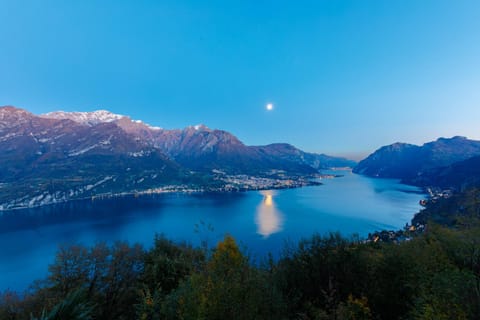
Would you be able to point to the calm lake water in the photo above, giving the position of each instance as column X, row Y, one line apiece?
column 261, row 221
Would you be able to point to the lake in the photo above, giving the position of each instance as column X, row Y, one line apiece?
column 261, row 221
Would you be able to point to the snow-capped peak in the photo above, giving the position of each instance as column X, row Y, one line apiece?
column 95, row 117
column 88, row 118
column 200, row 127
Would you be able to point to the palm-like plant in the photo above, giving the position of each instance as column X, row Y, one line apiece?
column 74, row 307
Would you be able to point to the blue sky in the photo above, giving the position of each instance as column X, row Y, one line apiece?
column 345, row 76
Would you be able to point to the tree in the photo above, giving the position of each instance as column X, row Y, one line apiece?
column 70, row 269
column 165, row 266
column 228, row 288
column 354, row 309
column 108, row 275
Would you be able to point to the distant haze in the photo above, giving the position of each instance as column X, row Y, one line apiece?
column 344, row 77
column 357, row 156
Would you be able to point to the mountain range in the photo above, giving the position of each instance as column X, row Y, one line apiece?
column 445, row 163
column 61, row 156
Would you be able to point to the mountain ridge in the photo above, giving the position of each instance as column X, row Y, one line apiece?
column 208, row 147
column 418, row 165
column 62, row 156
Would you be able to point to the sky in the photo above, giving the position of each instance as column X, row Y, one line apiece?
column 344, row 77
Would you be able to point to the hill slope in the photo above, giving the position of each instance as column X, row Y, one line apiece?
column 416, row 164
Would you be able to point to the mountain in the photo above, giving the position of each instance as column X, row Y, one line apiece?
column 459, row 175
column 50, row 160
column 412, row 163
column 61, row 156
column 202, row 149
column 197, row 148
column 288, row 152
column 399, row 160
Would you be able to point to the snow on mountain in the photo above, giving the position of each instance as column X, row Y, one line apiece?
column 96, row 117
column 201, row 127
column 87, row 118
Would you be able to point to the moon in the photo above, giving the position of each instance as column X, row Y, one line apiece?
column 269, row 106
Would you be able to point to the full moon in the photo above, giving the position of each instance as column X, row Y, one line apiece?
column 269, row 106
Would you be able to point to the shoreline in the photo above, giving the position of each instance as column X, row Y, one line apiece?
column 161, row 191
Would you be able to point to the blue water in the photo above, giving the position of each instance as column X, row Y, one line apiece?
column 261, row 221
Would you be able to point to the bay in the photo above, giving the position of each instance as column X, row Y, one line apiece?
column 261, row 221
